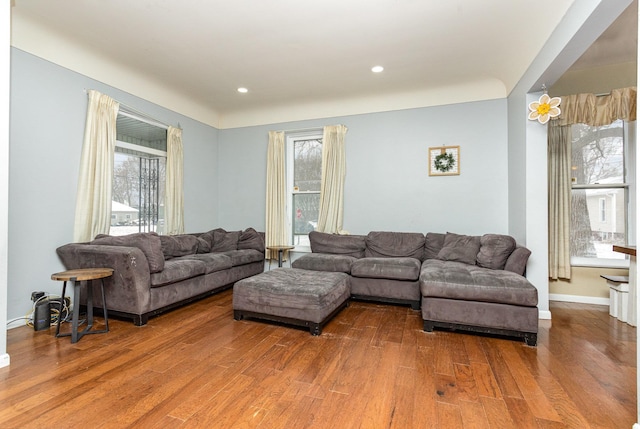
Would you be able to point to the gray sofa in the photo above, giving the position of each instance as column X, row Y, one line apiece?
column 154, row 273
column 459, row 282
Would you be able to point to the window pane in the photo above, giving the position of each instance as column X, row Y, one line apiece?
column 598, row 221
column 307, row 164
column 597, row 154
column 305, row 216
column 137, row 194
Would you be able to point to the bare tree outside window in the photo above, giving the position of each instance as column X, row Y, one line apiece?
column 598, row 176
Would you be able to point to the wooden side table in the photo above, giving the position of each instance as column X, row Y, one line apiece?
column 79, row 277
column 280, row 250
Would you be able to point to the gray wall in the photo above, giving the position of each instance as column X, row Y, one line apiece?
column 388, row 186
column 48, row 110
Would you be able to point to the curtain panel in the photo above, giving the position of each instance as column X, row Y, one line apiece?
column 93, row 200
column 333, row 177
column 275, row 231
column 174, row 193
column 559, row 171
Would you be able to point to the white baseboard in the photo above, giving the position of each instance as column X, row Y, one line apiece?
column 4, row 360
column 544, row 314
column 579, row 299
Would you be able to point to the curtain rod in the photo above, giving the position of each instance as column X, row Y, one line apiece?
column 303, row 130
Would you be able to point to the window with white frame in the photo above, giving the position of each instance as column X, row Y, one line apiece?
column 138, row 176
column 304, row 174
column 600, row 199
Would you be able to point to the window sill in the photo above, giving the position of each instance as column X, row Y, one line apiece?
column 600, row 263
column 302, row 249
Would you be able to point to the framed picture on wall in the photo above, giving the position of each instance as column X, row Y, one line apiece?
column 444, row 161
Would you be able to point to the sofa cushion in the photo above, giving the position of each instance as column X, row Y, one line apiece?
column 203, row 246
column 386, row 268
column 517, row 261
column 213, row 261
column 383, row 244
column 251, row 239
column 433, row 244
column 495, row 250
column 148, row 242
column 178, row 245
column 224, row 241
column 457, row 280
column 336, row 244
column 460, row 248
column 324, row 262
column 243, row 256
column 208, row 236
column 176, row 270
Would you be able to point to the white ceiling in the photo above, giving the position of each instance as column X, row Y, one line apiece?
column 618, row 44
column 293, row 52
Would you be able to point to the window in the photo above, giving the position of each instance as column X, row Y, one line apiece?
column 304, row 174
column 599, row 196
column 138, row 176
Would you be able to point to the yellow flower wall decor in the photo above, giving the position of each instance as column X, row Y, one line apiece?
column 544, row 109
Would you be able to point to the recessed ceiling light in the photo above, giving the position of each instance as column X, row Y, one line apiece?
column 377, row 69
column 243, row 90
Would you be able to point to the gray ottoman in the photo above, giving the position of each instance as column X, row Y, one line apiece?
column 293, row 296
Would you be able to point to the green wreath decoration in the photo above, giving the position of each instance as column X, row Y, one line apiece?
column 444, row 162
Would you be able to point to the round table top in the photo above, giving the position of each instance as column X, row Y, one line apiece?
column 283, row 247
column 83, row 274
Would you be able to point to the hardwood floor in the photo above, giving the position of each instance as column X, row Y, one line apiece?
column 372, row 367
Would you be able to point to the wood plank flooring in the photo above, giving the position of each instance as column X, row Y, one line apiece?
column 372, row 367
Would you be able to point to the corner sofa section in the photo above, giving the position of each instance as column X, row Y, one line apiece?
column 154, row 273
column 473, row 283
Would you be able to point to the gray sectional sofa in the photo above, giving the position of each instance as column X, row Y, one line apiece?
column 460, row 282
column 154, row 273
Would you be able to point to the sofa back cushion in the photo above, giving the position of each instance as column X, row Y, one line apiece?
column 495, row 249
column 251, row 239
column 174, row 246
column 148, row 242
column 336, row 244
column 460, row 248
column 221, row 240
column 383, row 244
column 203, row 245
column 517, row 261
column 433, row 244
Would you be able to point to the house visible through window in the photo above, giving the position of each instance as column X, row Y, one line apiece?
column 599, row 196
column 304, row 174
column 138, row 176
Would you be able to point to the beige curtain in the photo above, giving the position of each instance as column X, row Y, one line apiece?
column 275, row 231
column 559, row 171
column 173, row 197
column 93, row 200
column 333, row 177
column 575, row 109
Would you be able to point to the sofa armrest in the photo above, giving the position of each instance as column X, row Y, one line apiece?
column 128, row 289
